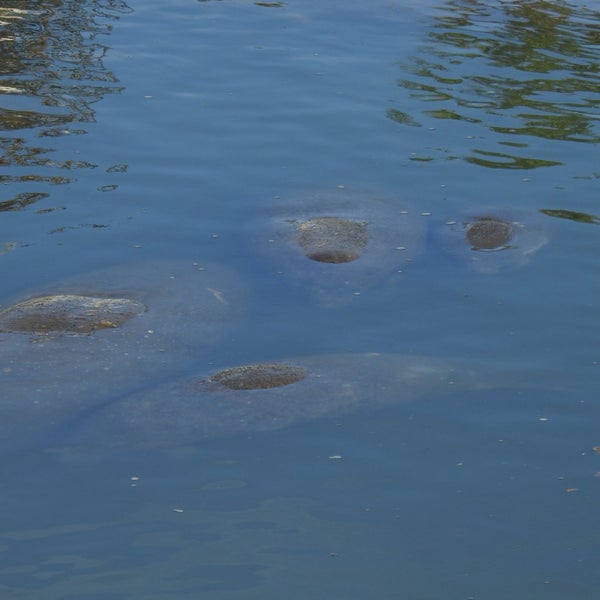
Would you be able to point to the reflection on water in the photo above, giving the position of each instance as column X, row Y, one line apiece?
column 573, row 215
column 523, row 70
column 51, row 74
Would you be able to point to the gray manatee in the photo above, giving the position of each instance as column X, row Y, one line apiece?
column 88, row 339
column 268, row 396
column 489, row 240
column 334, row 245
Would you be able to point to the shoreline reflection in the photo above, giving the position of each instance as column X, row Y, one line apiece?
column 52, row 73
column 528, row 73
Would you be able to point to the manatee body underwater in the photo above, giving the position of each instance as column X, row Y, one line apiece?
column 82, row 341
column 490, row 240
column 261, row 397
column 334, row 245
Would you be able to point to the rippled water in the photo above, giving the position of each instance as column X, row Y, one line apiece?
column 175, row 153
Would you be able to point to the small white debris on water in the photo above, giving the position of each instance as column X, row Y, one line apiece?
column 543, row 419
column 336, row 457
column 178, row 510
column 218, row 295
column 400, row 248
column 425, row 214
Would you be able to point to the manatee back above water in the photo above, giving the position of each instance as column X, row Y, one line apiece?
column 268, row 396
column 68, row 313
column 334, row 245
column 75, row 344
column 489, row 240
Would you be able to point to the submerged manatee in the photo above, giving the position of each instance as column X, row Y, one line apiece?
column 494, row 240
column 336, row 244
column 267, row 396
column 86, row 340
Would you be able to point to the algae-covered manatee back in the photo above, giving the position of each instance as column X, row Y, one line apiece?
column 68, row 313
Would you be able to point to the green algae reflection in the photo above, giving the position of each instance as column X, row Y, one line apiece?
column 572, row 215
column 52, row 62
column 526, row 69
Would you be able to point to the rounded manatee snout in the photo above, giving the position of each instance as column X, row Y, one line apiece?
column 488, row 233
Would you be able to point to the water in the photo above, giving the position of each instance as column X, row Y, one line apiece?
column 177, row 137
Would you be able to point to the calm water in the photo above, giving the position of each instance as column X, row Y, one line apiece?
column 183, row 133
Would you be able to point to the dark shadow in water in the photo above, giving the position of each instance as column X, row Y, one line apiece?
column 526, row 69
column 51, row 74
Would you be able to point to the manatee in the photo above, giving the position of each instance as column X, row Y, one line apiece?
column 492, row 240
column 266, row 396
column 88, row 339
column 333, row 245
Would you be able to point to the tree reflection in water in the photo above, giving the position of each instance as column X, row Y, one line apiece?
column 51, row 74
column 524, row 70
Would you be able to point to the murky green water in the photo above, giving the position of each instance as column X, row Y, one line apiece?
column 398, row 200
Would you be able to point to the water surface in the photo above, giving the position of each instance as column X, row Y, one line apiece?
column 152, row 133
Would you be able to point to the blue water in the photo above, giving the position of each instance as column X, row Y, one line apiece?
column 175, row 131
